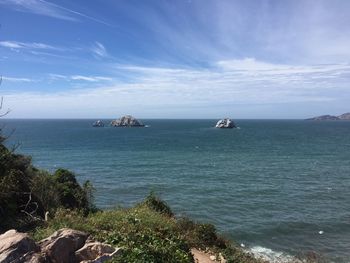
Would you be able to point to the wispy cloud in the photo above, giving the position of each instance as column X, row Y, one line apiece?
column 28, row 45
column 226, row 86
column 14, row 79
column 90, row 78
column 79, row 78
column 99, row 50
column 46, row 8
column 40, row 7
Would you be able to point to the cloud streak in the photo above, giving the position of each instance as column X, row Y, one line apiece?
column 227, row 86
column 99, row 50
column 79, row 78
column 13, row 79
column 24, row 45
column 46, row 8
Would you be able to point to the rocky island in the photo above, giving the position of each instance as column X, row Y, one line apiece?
column 98, row 123
column 127, row 121
column 345, row 116
column 225, row 123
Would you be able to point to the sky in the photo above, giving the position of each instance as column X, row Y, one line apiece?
column 253, row 59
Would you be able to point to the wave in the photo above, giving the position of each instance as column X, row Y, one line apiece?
column 272, row 256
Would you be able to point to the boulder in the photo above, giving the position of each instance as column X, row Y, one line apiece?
column 16, row 247
column 127, row 121
column 225, row 123
column 96, row 252
column 60, row 247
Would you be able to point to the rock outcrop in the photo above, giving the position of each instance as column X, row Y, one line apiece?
column 225, row 123
column 127, row 121
column 16, row 247
column 96, row 252
column 98, row 123
column 63, row 246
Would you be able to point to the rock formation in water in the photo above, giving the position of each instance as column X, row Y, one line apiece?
column 225, row 123
column 98, row 123
column 127, row 121
column 345, row 116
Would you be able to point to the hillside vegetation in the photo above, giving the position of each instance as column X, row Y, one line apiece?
column 147, row 232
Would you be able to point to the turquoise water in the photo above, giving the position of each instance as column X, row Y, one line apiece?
column 272, row 183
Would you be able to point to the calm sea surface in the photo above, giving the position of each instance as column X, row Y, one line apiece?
column 270, row 184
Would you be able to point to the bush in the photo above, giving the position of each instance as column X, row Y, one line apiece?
column 26, row 193
column 18, row 204
column 70, row 193
column 153, row 202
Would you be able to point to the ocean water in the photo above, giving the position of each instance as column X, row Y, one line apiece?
column 271, row 185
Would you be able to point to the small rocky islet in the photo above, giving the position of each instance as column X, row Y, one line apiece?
column 225, row 124
column 130, row 121
column 127, row 121
column 98, row 123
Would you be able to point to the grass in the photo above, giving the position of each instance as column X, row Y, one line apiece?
column 147, row 232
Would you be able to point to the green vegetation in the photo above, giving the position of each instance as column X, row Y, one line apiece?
column 26, row 193
column 148, row 232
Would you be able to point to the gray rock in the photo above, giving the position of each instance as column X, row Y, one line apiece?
column 225, row 123
column 98, row 123
column 16, row 247
column 96, row 252
column 127, row 121
column 60, row 247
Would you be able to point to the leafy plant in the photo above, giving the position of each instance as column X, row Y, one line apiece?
column 155, row 203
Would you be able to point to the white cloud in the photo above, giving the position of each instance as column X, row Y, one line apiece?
column 46, row 8
column 90, row 78
column 99, row 50
column 12, row 79
column 40, row 7
column 162, row 90
column 27, row 45
column 79, row 78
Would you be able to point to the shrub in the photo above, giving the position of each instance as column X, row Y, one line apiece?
column 17, row 202
column 155, row 203
column 70, row 193
column 26, row 193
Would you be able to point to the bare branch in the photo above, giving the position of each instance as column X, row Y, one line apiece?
column 2, row 102
column 31, row 214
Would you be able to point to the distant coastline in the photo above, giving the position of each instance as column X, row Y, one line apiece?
column 343, row 117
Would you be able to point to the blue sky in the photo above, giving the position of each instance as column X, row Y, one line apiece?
column 175, row 58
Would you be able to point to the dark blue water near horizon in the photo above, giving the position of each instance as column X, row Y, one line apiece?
column 270, row 184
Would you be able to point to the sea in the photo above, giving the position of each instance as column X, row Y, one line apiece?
column 279, row 188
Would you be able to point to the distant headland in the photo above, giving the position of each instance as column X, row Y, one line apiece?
column 344, row 117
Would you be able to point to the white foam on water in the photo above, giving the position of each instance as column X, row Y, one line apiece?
column 271, row 255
